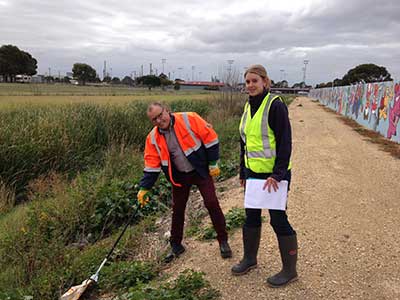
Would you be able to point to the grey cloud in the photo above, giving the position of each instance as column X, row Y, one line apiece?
column 334, row 36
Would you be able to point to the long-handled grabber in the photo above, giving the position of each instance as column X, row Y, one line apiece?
column 76, row 291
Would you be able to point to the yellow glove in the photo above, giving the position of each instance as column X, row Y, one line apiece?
column 143, row 197
column 214, row 169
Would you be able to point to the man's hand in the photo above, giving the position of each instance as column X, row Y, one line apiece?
column 271, row 182
column 214, row 169
column 143, row 197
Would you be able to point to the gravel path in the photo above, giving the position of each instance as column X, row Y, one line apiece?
column 344, row 204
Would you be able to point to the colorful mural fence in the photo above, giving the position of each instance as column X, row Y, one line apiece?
column 373, row 105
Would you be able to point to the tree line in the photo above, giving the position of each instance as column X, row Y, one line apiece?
column 14, row 61
column 364, row 73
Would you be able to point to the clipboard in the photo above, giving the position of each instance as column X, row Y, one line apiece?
column 256, row 197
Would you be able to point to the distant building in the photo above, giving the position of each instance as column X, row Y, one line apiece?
column 37, row 79
column 200, row 85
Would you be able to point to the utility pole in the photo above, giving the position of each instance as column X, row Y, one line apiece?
column 282, row 74
column 163, row 61
column 180, row 72
column 104, row 70
column 141, row 70
column 230, row 80
column 306, row 61
column 151, row 69
column 193, row 67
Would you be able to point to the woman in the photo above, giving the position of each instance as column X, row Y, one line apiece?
column 265, row 129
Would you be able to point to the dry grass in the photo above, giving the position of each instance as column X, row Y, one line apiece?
column 7, row 198
column 371, row 136
column 10, row 101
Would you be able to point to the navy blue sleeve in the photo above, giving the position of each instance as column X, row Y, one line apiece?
column 148, row 180
column 213, row 152
column 278, row 121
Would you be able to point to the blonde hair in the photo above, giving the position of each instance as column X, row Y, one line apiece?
column 260, row 71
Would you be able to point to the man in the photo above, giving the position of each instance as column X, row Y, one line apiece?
column 186, row 148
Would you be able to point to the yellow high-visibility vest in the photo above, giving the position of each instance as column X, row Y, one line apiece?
column 259, row 138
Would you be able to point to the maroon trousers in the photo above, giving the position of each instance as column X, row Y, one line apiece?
column 180, row 196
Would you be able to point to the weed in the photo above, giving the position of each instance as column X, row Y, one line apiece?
column 189, row 285
column 234, row 218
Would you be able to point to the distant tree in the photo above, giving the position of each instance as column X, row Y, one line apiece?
column 97, row 79
column 150, row 81
column 164, row 81
column 66, row 79
column 128, row 81
column 338, row 82
column 282, row 84
column 366, row 73
column 83, row 73
column 177, row 85
column 49, row 79
column 14, row 61
column 116, row 80
column 107, row 79
column 299, row 85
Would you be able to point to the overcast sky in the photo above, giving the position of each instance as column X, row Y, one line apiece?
column 333, row 36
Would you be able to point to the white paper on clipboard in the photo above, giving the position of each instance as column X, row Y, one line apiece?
column 256, row 197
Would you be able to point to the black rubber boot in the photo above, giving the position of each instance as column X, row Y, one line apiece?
column 288, row 250
column 225, row 250
column 251, row 242
column 176, row 250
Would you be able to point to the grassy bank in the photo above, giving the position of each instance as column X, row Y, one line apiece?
column 79, row 166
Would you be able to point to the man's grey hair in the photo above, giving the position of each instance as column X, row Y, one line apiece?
column 153, row 104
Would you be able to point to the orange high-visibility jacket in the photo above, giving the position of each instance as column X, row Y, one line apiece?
column 197, row 138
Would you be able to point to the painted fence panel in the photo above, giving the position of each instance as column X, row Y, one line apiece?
column 373, row 105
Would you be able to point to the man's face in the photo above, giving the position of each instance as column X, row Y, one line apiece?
column 159, row 116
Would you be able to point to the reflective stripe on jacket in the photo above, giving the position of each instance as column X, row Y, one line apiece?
column 259, row 138
column 196, row 137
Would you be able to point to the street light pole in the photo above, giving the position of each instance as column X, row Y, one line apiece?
column 163, row 62
column 306, row 61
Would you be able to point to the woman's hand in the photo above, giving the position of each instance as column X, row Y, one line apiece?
column 271, row 182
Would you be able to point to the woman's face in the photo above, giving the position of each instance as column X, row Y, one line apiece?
column 255, row 84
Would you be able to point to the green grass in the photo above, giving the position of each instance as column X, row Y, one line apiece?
column 70, row 138
column 16, row 89
column 80, row 165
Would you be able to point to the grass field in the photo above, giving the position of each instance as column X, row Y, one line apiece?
column 17, row 89
column 12, row 95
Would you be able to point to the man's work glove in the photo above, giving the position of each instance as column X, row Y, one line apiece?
column 214, row 168
column 143, row 197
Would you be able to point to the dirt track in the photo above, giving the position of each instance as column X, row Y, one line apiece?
column 345, row 206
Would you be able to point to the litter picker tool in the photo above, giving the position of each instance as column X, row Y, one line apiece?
column 76, row 291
